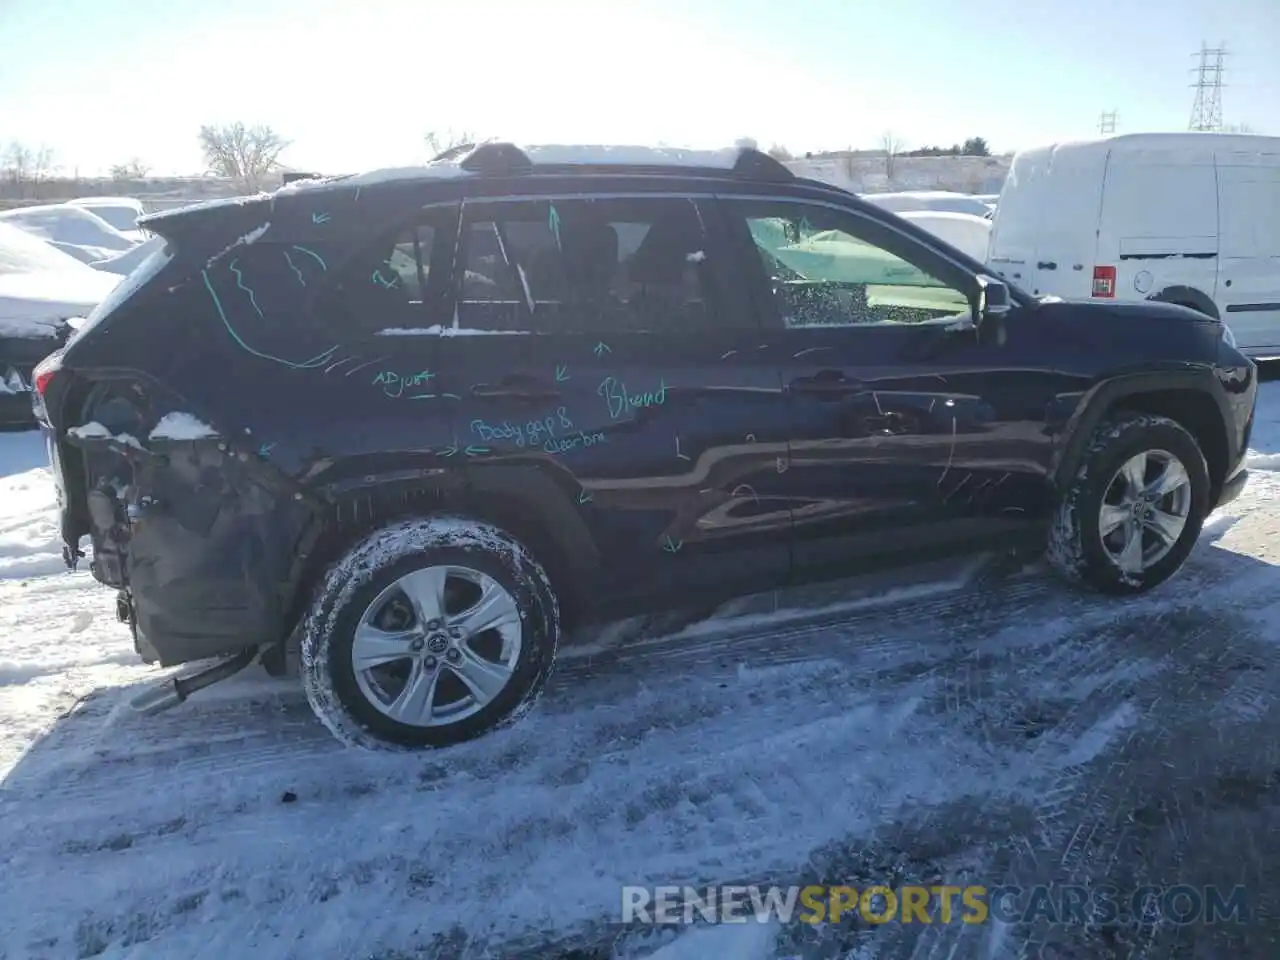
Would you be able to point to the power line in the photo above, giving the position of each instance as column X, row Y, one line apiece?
column 1206, row 111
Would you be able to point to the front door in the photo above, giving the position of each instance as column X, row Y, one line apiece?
column 631, row 372
column 912, row 431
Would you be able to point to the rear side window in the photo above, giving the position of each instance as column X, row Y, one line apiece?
column 143, row 274
column 398, row 282
column 604, row 265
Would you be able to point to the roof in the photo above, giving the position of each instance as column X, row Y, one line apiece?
column 1136, row 142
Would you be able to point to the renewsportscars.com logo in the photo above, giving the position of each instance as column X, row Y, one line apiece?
column 942, row 903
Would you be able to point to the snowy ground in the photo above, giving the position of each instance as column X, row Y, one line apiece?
column 998, row 731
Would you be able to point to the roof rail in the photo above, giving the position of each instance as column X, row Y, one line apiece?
column 506, row 159
column 757, row 165
column 497, row 159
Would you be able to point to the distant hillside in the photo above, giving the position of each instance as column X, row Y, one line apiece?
column 860, row 172
column 866, row 173
column 157, row 193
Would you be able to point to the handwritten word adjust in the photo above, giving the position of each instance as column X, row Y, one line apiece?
column 395, row 384
column 621, row 402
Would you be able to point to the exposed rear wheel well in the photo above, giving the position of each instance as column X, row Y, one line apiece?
column 1195, row 411
column 1190, row 298
column 354, row 517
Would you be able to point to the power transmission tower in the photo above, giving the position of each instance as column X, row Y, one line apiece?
column 1107, row 123
column 1206, row 112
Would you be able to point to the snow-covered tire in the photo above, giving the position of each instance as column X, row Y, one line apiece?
column 376, row 563
column 1076, row 550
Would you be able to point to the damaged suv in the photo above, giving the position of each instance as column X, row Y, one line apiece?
column 414, row 424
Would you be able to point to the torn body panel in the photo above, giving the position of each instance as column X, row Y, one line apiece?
column 200, row 540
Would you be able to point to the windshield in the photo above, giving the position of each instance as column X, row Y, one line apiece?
column 130, row 285
column 121, row 216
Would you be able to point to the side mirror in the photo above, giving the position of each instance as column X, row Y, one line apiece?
column 993, row 298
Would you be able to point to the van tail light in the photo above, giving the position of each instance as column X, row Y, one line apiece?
column 44, row 371
column 1104, row 282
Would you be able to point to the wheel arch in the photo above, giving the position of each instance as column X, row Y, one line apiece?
column 1189, row 297
column 525, row 500
column 1182, row 396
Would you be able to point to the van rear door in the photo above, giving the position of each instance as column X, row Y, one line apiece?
column 1159, row 223
column 1044, row 232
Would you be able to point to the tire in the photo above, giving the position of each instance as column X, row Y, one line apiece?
column 1077, row 548
column 368, row 584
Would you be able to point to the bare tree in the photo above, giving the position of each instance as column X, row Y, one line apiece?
column 442, row 141
column 132, row 169
column 779, row 152
column 245, row 155
column 892, row 147
column 1238, row 128
column 850, row 164
column 17, row 162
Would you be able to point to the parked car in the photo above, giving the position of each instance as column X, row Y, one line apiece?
column 1187, row 218
column 73, row 230
column 40, row 289
column 417, row 423
column 964, row 231
column 122, row 213
column 128, row 261
column 937, row 200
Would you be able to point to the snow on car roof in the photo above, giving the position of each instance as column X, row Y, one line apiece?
column 557, row 154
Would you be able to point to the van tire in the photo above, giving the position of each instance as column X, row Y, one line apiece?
column 1076, row 549
column 354, row 708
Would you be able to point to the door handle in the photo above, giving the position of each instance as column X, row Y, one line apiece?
column 517, row 388
column 829, row 384
column 1046, row 265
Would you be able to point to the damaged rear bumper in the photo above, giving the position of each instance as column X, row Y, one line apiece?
column 200, row 541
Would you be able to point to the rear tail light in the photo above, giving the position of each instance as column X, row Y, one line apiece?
column 1104, row 281
column 43, row 373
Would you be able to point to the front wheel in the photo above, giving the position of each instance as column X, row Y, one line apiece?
column 427, row 633
column 1131, row 516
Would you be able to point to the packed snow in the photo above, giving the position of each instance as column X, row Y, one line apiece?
column 810, row 744
column 964, row 231
column 121, row 212
column 182, row 426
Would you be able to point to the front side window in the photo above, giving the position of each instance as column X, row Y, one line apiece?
column 827, row 267
column 586, row 266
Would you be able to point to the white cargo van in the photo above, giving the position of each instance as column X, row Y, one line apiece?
column 1190, row 218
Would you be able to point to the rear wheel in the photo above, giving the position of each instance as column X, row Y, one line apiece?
column 428, row 633
column 1133, row 513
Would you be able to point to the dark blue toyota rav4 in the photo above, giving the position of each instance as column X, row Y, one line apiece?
column 419, row 422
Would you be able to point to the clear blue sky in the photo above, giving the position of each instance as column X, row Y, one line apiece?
column 356, row 83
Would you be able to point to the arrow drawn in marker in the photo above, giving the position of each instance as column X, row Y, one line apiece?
column 265, row 449
column 476, row 451
column 450, row 450
column 583, row 497
column 601, row 348
column 562, row 372
column 678, row 453
column 671, row 546
column 319, row 218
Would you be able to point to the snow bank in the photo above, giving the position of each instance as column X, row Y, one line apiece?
column 654, row 156
column 182, row 426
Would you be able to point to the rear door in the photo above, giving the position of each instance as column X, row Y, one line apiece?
column 1249, row 256
column 606, row 338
